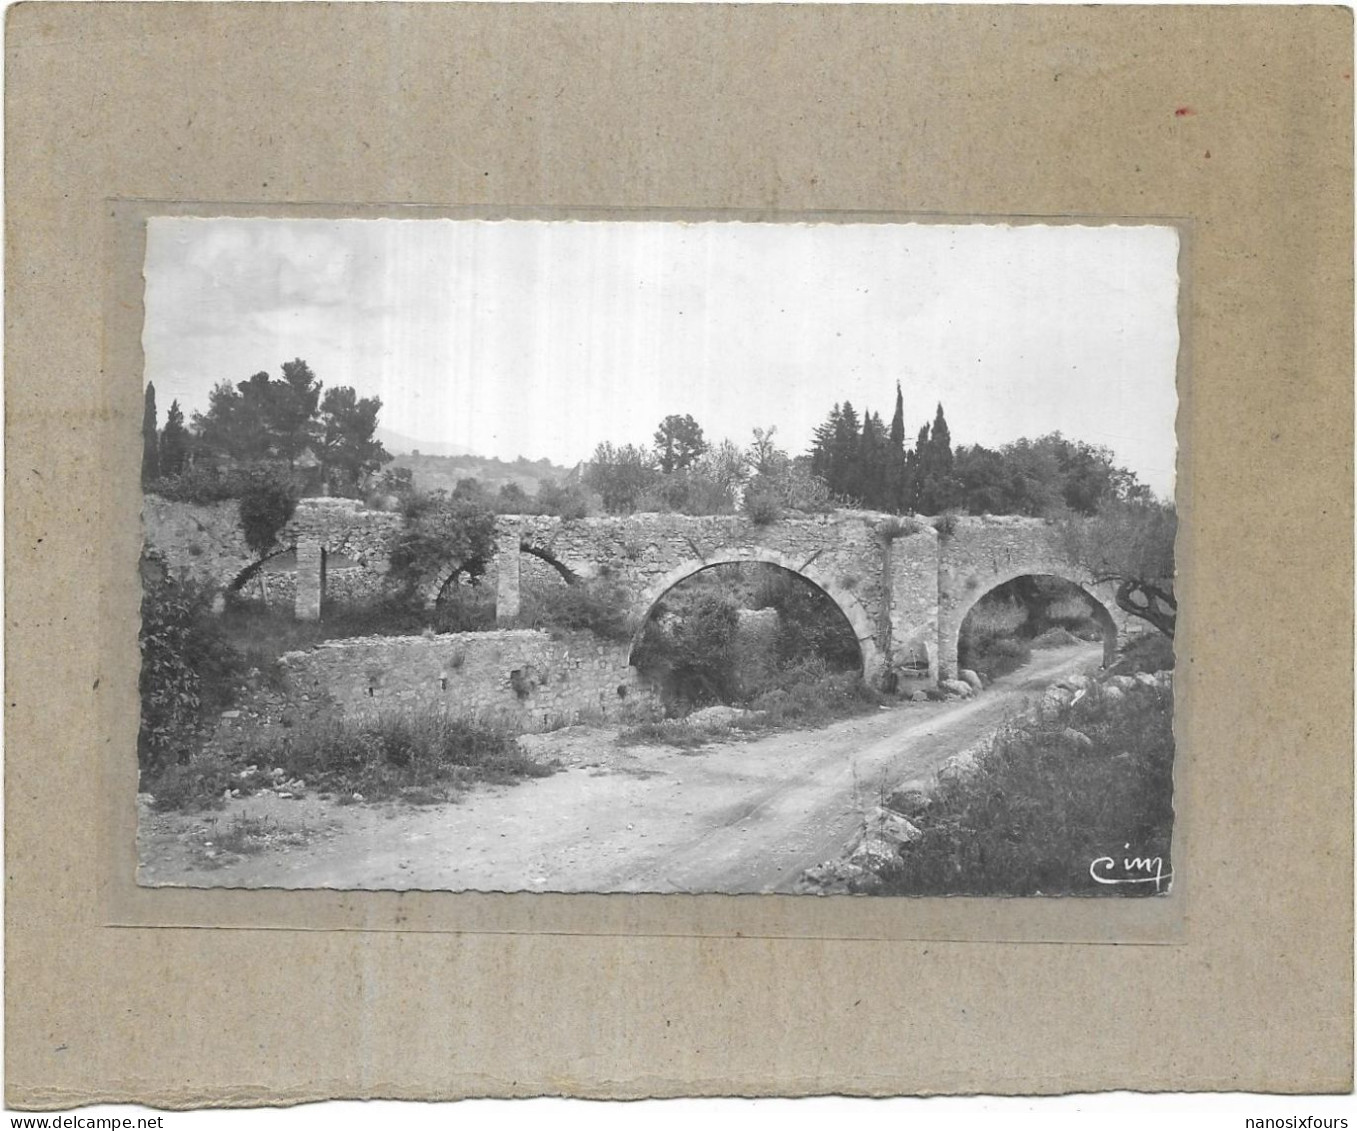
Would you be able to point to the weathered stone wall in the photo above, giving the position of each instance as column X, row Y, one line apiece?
column 905, row 597
column 528, row 679
column 203, row 542
column 342, row 585
column 651, row 553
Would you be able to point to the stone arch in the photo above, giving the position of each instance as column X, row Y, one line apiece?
column 568, row 575
column 953, row 612
column 246, row 575
column 432, row 590
column 873, row 663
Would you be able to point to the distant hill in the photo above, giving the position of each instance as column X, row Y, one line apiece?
column 440, row 472
column 397, row 443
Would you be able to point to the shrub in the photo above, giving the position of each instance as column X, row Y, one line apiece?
column 1038, row 811
column 667, row 732
column 441, row 531
column 266, row 504
column 570, row 501
column 807, row 695
column 188, row 668
column 202, row 484
column 762, row 508
column 695, row 646
column 898, row 527
column 599, row 606
column 946, row 524
column 201, row 782
column 1146, row 652
column 383, row 756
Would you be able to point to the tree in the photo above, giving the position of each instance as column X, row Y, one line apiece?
column 265, row 508
column 895, row 478
column 1131, row 545
column 173, row 442
column 187, row 665
column 620, row 475
column 261, row 419
column 678, row 443
column 150, row 456
column 442, row 532
column 347, row 447
column 845, row 467
column 763, row 454
column 938, row 488
column 871, row 461
column 693, row 637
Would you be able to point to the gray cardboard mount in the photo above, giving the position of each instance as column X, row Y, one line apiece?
column 1235, row 124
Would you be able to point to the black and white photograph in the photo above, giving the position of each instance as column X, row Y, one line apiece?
column 819, row 557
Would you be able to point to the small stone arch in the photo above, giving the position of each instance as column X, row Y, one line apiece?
column 568, row 575
column 949, row 627
column 852, row 609
column 246, row 575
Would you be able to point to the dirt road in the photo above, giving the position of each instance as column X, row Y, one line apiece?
column 732, row 817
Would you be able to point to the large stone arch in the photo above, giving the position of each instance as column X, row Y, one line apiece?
column 953, row 608
column 873, row 662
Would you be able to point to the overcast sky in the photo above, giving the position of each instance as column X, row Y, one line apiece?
column 544, row 338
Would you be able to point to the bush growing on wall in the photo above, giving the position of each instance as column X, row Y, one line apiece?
column 266, row 504
column 442, row 531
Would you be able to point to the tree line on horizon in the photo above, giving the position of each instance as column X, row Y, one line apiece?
column 862, row 460
column 858, row 461
column 324, row 440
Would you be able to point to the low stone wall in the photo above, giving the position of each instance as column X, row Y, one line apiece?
column 531, row 680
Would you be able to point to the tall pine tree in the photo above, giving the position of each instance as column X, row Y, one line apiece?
column 150, row 454
column 845, row 468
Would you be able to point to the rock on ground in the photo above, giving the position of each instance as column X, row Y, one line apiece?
column 956, row 687
column 717, row 716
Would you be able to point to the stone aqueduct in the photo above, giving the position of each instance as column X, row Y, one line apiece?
column 905, row 597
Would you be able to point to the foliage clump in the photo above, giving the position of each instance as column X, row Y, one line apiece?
column 596, row 605
column 1052, row 796
column 442, row 533
column 188, row 667
column 266, row 505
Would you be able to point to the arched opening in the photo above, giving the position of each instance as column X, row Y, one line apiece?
column 282, row 563
column 462, row 598
column 742, row 633
column 565, row 573
column 1002, row 627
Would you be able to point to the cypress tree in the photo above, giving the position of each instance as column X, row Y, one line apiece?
column 173, row 442
column 150, row 455
column 894, row 487
column 898, row 420
column 941, row 442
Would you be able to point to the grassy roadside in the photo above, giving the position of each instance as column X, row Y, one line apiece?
column 1084, row 780
column 419, row 758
